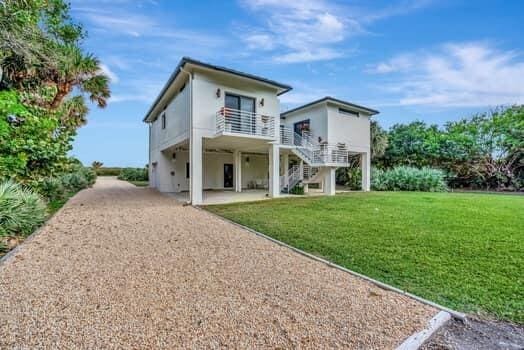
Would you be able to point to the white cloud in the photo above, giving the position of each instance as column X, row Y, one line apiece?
column 141, row 90
column 118, row 23
column 458, row 74
column 109, row 73
column 304, row 30
column 312, row 30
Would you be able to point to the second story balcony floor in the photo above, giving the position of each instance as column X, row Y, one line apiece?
column 234, row 122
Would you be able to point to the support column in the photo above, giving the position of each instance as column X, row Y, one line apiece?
column 365, row 165
column 237, row 158
column 285, row 160
column 274, row 171
column 329, row 182
column 304, row 185
column 195, row 163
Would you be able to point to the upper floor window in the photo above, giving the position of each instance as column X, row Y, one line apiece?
column 348, row 112
column 163, row 120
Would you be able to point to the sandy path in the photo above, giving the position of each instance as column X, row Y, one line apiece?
column 125, row 267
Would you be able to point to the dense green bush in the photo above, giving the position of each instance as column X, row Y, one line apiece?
column 108, row 171
column 349, row 177
column 51, row 188
column 74, row 182
column 88, row 174
column 297, row 189
column 133, row 174
column 403, row 178
column 21, row 209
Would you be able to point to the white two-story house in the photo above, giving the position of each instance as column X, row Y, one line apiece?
column 216, row 129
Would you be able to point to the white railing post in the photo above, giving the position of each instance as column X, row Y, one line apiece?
column 233, row 121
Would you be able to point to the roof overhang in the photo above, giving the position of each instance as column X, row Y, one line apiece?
column 328, row 99
column 187, row 63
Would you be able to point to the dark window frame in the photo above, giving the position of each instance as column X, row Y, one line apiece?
column 163, row 120
column 348, row 112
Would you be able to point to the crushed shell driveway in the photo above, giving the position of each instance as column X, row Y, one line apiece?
column 127, row 267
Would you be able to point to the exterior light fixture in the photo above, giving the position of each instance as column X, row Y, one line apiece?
column 218, row 93
column 262, row 102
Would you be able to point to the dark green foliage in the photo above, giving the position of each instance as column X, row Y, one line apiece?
column 134, row 174
column 33, row 146
column 485, row 151
column 403, row 178
column 51, row 188
column 21, row 210
column 104, row 171
column 297, row 189
column 88, row 174
column 461, row 250
column 350, row 177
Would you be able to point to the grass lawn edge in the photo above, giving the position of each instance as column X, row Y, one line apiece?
column 454, row 313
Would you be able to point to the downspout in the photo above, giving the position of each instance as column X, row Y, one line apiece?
column 149, row 165
column 190, row 81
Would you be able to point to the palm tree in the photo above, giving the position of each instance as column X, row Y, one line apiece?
column 96, row 164
column 82, row 71
column 379, row 140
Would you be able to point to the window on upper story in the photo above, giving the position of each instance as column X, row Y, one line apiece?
column 163, row 120
column 348, row 112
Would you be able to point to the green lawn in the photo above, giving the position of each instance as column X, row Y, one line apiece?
column 140, row 183
column 464, row 251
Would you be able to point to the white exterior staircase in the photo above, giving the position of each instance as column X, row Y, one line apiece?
column 313, row 153
column 290, row 179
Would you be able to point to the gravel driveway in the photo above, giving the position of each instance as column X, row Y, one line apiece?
column 126, row 267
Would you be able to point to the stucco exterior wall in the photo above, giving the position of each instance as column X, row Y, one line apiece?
column 352, row 130
column 255, row 169
column 207, row 104
column 332, row 126
column 177, row 122
column 318, row 120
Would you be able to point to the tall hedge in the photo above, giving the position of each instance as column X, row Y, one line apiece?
column 403, row 178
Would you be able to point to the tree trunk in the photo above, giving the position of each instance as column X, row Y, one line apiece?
column 63, row 91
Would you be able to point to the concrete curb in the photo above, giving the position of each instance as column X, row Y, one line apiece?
column 416, row 340
column 455, row 314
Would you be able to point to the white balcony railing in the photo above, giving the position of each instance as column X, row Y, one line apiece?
column 313, row 152
column 233, row 121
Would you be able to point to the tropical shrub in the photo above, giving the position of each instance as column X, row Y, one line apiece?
column 21, row 209
column 133, row 174
column 403, row 178
column 88, row 174
column 297, row 189
column 51, row 188
column 350, row 177
column 104, row 171
column 74, row 182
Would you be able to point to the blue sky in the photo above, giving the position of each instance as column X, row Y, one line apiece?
column 411, row 59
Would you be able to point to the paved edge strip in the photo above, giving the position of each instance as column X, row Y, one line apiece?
column 455, row 314
column 416, row 340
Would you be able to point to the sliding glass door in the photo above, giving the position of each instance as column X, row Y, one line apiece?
column 243, row 117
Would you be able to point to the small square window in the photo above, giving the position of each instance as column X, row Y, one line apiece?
column 348, row 112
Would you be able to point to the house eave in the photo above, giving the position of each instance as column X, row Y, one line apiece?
column 329, row 99
column 281, row 88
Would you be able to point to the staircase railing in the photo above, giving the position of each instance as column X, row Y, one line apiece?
column 309, row 171
column 290, row 179
column 313, row 152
